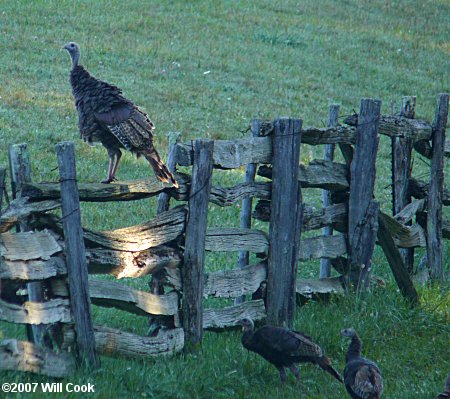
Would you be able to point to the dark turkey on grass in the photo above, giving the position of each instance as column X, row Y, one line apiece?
column 106, row 116
column 284, row 348
column 362, row 377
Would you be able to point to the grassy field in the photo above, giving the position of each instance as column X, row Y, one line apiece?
column 205, row 68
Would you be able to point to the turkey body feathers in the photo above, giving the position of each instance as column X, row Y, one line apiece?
column 362, row 377
column 106, row 116
column 284, row 348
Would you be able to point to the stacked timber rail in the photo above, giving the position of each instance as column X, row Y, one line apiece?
column 53, row 255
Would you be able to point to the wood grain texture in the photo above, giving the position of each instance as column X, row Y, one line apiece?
column 18, row 355
column 194, row 254
column 405, row 236
column 322, row 247
column 229, row 316
column 362, row 209
column 436, row 192
column 76, row 257
column 285, row 223
column 53, row 311
column 236, row 239
column 419, row 189
column 318, row 174
column 32, row 269
column 309, row 288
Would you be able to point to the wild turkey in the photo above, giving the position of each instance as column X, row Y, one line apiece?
column 106, row 116
column 446, row 393
column 362, row 377
column 283, row 348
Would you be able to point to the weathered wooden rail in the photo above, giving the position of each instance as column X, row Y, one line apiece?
column 171, row 246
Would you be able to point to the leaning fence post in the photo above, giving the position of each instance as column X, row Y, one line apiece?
column 77, row 272
column 20, row 170
column 363, row 211
column 436, row 191
column 401, row 173
column 285, row 222
column 246, row 210
column 325, row 263
column 194, row 253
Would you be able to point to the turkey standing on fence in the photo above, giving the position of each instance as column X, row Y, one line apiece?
column 106, row 116
column 362, row 377
column 283, row 348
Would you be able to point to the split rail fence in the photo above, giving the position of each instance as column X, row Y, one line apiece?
column 53, row 255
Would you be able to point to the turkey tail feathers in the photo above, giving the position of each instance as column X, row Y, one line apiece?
column 161, row 171
column 325, row 364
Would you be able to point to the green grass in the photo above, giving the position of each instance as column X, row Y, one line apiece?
column 265, row 59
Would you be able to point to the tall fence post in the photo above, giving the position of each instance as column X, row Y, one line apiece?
column 436, row 191
column 401, row 173
column 20, row 170
column 325, row 263
column 363, row 211
column 285, row 222
column 2, row 189
column 194, row 253
column 77, row 272
column 246, row 210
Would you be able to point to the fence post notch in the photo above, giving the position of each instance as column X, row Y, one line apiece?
column 192, row 271
column 77, row 272
column 285, row 222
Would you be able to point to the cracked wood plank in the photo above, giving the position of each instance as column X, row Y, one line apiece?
column 53, row 311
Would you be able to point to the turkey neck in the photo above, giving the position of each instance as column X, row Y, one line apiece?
column 354, row 350
column 78, row 79
column 247, row 339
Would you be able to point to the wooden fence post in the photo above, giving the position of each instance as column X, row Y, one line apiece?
column 325, row 263
column 285, row 222
column 164, row 198
column 246, row 210
column 194, row 253
column 2, row 186
column 436, row 191
column 77, row 272
column 401, row 172
column 20, row 170
column 363, row 211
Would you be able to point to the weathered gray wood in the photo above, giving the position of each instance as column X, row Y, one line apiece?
column 230, row 154
column 237, row 282
column 53, row 311
column 246, row 205
column 401, row 172
column 99, row 192
column 318, row 174
column 419, row 189
column 236, row 239
column 409, row 211
column 333, row 114
column 363, row 212
column 20, row 171
column 436, row 192
column 24, row 356
column 120, row 344
column 422, row 220
column 2, row 186
column 395, row 261
column 326, row 285
column 76, row 256
column 194, row 254
column 33, row 269
column 405, row 236
column 164, row 228
column 21, row 208
column 112, row 294
column 230, row 195
column 28, row 245
column 229, row 317
column 122, row 264
column 163, row 198
column 423, row 147
column 285, row 222
column 313, row 219
column 398, row 126
column 322, row 247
